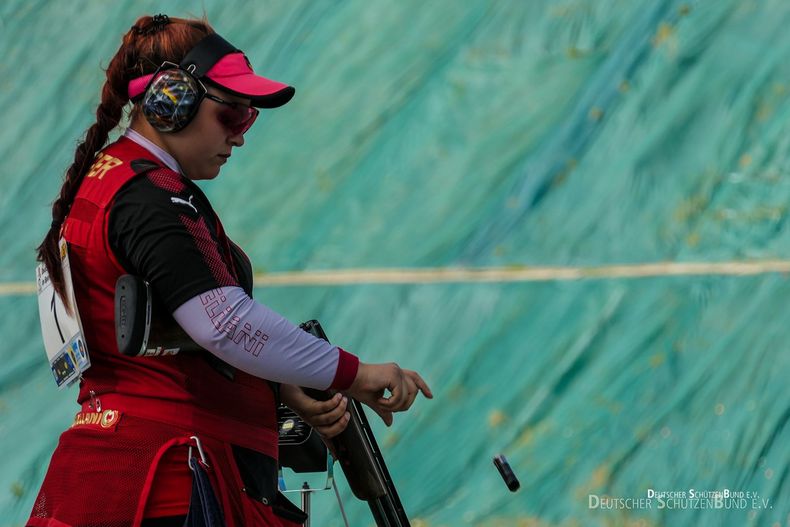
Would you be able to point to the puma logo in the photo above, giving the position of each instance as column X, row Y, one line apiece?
column 183, row 202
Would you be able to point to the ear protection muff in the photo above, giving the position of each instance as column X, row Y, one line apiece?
column 173, row 96
column 172, row 99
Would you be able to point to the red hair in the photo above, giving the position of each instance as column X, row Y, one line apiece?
column 147, row 44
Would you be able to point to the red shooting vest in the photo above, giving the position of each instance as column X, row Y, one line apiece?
column 182, row 390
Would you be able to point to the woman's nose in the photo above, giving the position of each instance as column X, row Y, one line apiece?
column 236, row 140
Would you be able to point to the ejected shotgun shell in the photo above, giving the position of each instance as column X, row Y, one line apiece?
column 507, row 473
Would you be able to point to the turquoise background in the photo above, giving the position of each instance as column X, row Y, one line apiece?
column 477, row 134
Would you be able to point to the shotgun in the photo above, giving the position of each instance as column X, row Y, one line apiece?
column 361, row 459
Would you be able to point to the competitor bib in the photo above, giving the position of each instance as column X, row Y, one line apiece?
column 61, row 327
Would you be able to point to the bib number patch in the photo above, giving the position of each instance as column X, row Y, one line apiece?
column 61, row 327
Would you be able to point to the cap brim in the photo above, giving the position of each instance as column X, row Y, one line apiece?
column 233, row 73
column 262, row 92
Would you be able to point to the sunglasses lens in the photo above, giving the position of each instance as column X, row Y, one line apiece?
column 238, row 119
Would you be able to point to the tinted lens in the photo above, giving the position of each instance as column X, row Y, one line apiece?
column 237, row 119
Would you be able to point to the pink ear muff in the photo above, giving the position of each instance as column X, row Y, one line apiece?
column 137, row 86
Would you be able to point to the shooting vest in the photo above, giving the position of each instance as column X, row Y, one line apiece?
column 183, row 390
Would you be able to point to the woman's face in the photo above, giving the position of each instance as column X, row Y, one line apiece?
column 205, row 144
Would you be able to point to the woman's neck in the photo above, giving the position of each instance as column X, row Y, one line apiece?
column 144, row 128
column 146, row 136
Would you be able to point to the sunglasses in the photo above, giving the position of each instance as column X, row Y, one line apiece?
column 237, row 118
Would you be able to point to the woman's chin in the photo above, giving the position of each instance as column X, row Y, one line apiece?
column 203, row 174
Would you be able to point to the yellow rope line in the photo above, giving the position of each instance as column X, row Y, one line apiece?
column 17, row 288
column 487, row 274
column 516, row 274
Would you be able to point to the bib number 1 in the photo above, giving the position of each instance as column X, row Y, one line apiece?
column 60, row 327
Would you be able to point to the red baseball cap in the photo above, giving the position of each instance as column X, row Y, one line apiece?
column 219, row 63
column 233, row 73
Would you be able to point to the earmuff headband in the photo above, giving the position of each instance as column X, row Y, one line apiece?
column 200, row 59
column 207, row 52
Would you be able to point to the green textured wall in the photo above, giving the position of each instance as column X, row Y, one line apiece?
column 507, row 135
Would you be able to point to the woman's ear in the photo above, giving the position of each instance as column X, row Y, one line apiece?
column 136, row 114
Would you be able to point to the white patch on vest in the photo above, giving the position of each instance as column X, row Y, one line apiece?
column 181, row 201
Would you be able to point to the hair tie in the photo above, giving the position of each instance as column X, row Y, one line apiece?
column 158, row 22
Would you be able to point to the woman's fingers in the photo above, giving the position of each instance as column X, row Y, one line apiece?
column 412, row 384
column 399, row 398
column 396, row 394
column 385, row 414
column 324, row 413
column 373, row 380
column 421, row 384
column 335, row 428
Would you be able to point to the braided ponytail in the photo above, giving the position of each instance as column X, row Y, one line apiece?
column 148, row 43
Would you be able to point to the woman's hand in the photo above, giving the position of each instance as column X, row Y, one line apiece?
column 373, row 379
column 328, row 418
